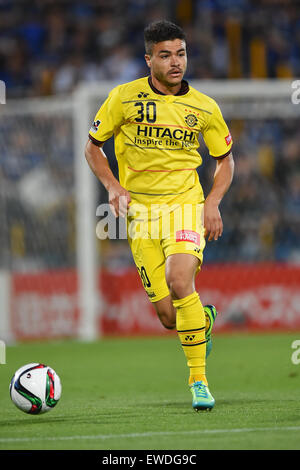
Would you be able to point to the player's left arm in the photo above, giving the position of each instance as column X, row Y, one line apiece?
column 223, row 175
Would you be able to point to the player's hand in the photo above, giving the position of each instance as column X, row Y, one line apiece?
column 213, row 225
column 119, row 200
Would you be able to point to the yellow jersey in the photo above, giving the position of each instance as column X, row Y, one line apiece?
column 156, row 137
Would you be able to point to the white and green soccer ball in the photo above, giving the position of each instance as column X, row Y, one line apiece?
column 35, row 388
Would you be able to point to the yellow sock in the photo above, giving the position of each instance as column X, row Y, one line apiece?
column 190, row 324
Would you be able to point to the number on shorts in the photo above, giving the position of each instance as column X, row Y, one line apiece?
column 144, row 277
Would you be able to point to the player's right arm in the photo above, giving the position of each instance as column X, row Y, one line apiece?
column 118, row 197
column 108, row 119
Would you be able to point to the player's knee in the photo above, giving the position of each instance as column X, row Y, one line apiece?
column 179, row 287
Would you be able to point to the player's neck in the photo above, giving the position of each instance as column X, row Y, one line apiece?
column 165, row 89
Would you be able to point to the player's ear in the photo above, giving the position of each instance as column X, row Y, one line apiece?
column 148, row 60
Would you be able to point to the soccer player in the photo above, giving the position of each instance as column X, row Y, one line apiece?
column 156, row 122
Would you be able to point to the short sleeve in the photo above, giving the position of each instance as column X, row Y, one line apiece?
column 216, row 135
column 108, row 119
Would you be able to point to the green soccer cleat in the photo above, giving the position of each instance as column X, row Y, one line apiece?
column 202, row 398
column 210, row 316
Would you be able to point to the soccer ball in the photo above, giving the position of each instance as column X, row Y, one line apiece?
column 35, row 388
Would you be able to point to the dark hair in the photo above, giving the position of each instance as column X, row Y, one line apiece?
column 159, row 31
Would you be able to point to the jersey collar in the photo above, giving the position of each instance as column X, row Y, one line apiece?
column 183, row 90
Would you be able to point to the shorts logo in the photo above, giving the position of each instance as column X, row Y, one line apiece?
column 191, row 120
column 228, row 139
column 95, row 126
column 151, row 295
column 188, row 236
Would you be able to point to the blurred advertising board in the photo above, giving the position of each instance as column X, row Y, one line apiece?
column 248, row 297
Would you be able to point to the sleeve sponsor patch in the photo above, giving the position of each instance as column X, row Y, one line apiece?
column 228, row 139
column 95, row 126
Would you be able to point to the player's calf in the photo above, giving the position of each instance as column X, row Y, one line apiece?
column 166, row 312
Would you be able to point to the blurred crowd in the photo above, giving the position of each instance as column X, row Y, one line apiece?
column 37, row 207
column 48, row 46
column 261, row 211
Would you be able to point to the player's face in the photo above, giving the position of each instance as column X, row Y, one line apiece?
column 168, row 62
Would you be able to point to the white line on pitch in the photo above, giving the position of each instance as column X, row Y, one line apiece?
column 145, row 434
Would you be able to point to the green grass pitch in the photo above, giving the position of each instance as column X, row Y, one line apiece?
column 132, row 393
